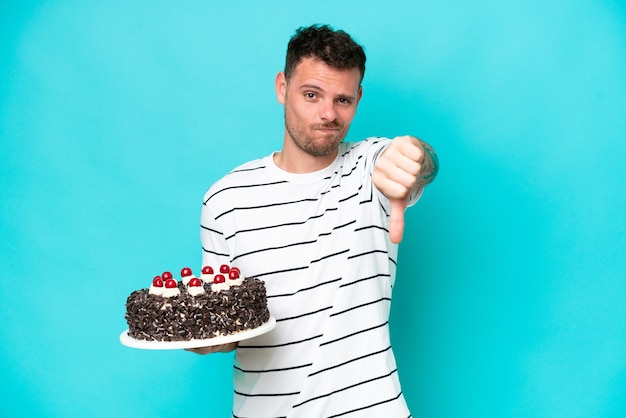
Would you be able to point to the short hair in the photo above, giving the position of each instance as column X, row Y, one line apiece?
column 334, row 47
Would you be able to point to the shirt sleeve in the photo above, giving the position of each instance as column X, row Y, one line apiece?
column 215, row 250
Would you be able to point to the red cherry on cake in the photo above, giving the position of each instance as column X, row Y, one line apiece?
column 195, row 282
column 233, row 274
column 237, row 270
column 185, row 272
column 167, row 275
column 224, row 268
column 157, row 281
column 170, row 283
column 219, row 278
column 207, row 270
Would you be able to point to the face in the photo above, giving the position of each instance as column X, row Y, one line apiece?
column 320, row 103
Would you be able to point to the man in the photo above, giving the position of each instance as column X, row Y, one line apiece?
column 319, row 222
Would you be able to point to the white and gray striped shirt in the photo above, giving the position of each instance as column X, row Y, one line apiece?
column 320, row 242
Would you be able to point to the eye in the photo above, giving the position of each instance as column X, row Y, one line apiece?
column 343, row 100
column 310, row 95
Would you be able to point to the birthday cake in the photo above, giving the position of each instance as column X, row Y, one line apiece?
column 212, row 305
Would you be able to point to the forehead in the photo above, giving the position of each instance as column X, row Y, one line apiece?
column 311, row 71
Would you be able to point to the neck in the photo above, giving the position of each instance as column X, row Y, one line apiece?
column 294, row 160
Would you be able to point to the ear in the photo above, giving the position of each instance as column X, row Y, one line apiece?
column 281, row 87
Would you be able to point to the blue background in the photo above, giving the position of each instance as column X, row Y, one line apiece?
column 115, row 117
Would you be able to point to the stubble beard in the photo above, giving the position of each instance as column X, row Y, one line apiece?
column 303, row 137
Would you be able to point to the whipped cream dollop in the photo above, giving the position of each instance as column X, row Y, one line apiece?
column 195, row 287
column 196, row 290
column 235, row 282
column 207, row 278
column 187, row 275
column 226, row 284
column 187, row 279
column 218, row 287
column 156, row 290
column 171, row 289
column 169, row 292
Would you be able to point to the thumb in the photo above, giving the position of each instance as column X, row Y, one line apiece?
column 396, row 220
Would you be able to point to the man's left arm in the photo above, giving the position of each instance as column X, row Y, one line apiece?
column 407, row 164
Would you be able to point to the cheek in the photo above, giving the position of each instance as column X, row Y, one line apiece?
column 294, row 120
column 347, row 115
column 300, row 113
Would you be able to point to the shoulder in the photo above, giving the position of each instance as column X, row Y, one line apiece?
column 365, row 147
column 240, row 176
column 247, row 168
column 364, row 152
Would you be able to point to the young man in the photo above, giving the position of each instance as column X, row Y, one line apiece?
column 319, row 222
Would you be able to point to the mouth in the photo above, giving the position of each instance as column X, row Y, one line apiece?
column 327, row 129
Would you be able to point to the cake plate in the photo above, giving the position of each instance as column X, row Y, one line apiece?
column 129, row 341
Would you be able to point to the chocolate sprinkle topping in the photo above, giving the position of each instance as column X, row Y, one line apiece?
column 185, row 317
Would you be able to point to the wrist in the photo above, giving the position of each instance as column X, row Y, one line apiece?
column 430, row 165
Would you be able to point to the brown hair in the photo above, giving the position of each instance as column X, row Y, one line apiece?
column 334, row 47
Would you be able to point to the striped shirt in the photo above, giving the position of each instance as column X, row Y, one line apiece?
column 320, row 243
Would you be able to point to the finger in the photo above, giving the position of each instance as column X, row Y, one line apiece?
column 223, row 348
column 411, row 148
column 396, row 220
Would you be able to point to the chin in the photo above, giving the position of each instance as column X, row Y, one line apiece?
column 324, row 149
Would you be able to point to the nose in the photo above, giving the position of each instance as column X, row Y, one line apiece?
column 327, row 112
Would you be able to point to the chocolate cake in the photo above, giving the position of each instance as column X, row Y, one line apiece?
column 196, row 308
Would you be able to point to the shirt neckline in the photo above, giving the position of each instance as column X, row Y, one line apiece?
column 301, row 178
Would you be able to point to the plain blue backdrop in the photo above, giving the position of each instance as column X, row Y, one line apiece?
column 116, row 116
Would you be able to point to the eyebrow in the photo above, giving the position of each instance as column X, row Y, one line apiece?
column 317, row 88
